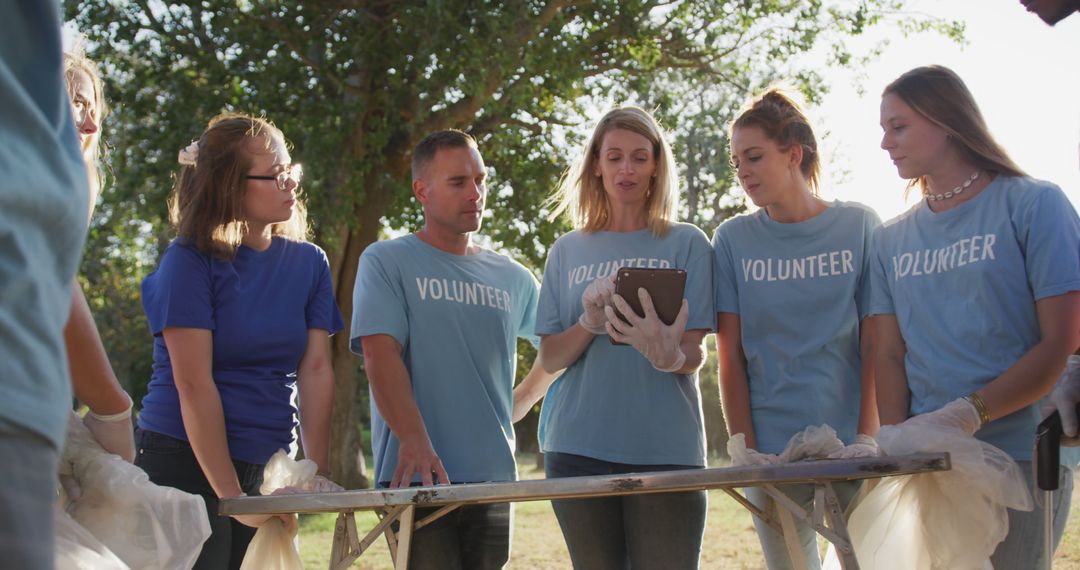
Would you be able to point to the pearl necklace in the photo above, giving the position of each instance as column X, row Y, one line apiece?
column 955, row 191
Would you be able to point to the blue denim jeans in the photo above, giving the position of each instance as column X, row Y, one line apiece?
column 27, row 499
column 1023, row 546
column 171, row 462
column 471, row 537
column 631, row 531
column 772, row 543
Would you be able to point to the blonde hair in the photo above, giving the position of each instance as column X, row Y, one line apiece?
column 781, row 118
column 581, row 192
column 938, row 94
column 206, row 206
column 93, row 155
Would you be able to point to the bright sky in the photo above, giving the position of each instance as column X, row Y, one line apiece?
column 1025, row 77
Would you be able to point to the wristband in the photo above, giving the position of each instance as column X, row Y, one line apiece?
column 980, row 407
column 117, row 417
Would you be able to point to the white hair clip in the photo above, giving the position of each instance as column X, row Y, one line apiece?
column 189, row 154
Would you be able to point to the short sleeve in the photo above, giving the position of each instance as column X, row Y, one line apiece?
column 322, row 311
column 1049, row 233
column 871, row 222
column 379, row 303
column 726, row 290
column 180, row 292
column 699, row 283
column 881, row 301
column 547, row 309
column 531, row 293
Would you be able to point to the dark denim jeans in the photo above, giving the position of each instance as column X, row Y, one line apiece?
column 631, row 531
column 472, row 537
column 27, row 499
column 171, row 462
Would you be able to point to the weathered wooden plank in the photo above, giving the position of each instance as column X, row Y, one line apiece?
column 592, row 486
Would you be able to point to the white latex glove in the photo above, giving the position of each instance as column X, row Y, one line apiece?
column 957, row 414
column 320, row 484
column 1064, row 396
column 864, row 446
column 657, row 342
column 741, row 455
column 114, row 432
column 596, row 296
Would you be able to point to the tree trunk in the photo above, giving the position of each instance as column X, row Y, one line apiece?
column 346, row 450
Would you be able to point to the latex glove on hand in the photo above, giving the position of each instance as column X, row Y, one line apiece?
column 742, row 456
column 1064, row 396
column 864, row 446
column 660, row 344
column 320, row 484
column 596, row 297
column 957, row 414
column 113, row 432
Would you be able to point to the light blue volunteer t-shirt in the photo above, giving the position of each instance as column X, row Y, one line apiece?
column 800, row 291
column 43, row 209
column 963, row 285
column 457, row 318
column 611, row 404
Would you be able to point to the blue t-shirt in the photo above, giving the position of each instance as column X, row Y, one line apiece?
column 457, row 319
column 260, row 307
column 963, row 285
column 800, row 291
column 43, row 205
column 611, row 404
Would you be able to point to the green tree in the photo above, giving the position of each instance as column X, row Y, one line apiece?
column 354, row 84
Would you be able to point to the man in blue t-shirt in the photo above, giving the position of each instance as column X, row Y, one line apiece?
column 43, row 205
column 437, row 320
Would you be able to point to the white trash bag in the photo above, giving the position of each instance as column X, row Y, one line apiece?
column 145, row 525
column 944, row 520
column 77, row 549
column 814, row 442
column 273, row 547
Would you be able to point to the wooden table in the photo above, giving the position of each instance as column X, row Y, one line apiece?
column 400, row 504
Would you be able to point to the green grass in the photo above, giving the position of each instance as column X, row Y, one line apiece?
column 730, row 542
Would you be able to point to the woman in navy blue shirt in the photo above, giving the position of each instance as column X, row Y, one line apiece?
column 241, row 309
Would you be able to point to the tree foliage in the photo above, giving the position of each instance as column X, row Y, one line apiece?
column 354, row 84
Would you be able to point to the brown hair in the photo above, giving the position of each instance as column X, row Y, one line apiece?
column 938, row 94
column 782, row 120
column 74, row 62
column 581, row 193
column 425, row 150
column 206, row 206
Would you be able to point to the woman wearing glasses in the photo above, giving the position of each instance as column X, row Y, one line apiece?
column 241, row 309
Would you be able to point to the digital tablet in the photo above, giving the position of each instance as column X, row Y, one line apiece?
column 665, row 287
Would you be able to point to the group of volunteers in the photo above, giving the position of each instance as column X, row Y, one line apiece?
column 960, row 312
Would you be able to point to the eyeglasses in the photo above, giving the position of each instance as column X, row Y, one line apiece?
column 294, row 172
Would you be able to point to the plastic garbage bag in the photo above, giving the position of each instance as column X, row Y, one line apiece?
column 77, row 549
column 273, row 547
column 283, row 471
column 814, row 442
column 947, row 520
column 145, row 525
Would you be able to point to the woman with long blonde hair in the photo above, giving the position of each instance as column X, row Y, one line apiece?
column 625, row 408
